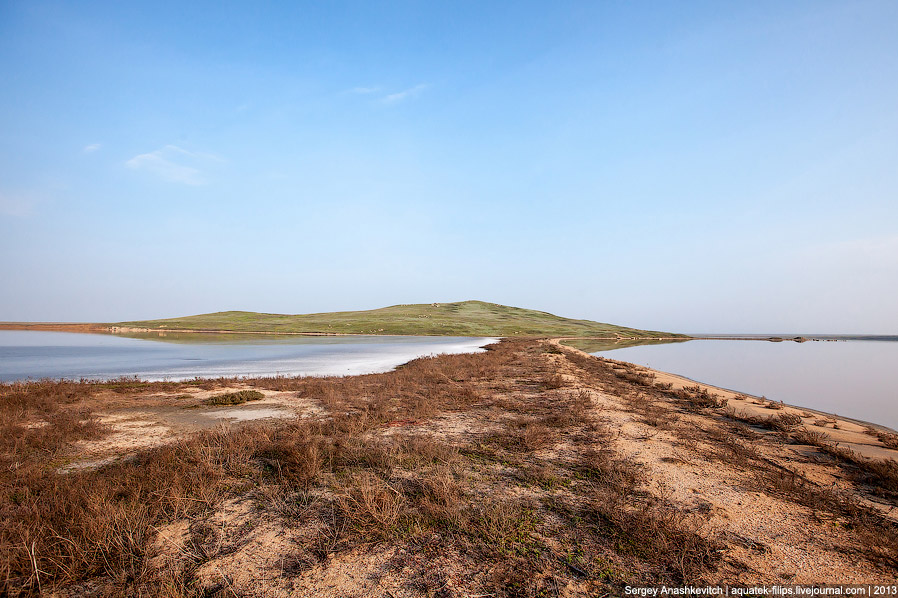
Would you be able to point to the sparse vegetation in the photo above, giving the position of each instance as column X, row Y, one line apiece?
column 235, row 398
column 888, row 439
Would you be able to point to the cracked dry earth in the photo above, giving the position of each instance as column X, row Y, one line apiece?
column 530, row 470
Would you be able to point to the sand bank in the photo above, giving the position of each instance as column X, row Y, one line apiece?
column 856, row 434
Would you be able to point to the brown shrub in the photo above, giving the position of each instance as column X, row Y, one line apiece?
column 888, row 439
column 553, row 381
column 812, row 437
column 790, row 419
column 603, row 467
column 371, row 506
column 697, row 397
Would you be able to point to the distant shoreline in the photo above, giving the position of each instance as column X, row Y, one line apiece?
column 794, row 337
column 55, row 326
column 114, row 329
column 106, row 328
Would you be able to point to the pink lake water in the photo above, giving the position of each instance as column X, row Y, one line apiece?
column 853, row 378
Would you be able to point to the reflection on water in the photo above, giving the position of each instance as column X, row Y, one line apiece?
column 851, row 378
column 32, row 355
column 594, row 345
column 244, row 338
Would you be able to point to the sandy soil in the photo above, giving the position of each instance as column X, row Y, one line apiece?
column 147, row 421
column 794, row 548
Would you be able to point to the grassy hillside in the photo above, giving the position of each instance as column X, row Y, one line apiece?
column 466, row 318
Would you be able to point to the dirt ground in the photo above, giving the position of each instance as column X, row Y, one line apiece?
column 141, row 422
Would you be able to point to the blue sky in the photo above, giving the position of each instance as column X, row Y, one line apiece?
column 701, row 166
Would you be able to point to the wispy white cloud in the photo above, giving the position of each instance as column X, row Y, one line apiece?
column 174, row 164
column 405, row 94
column 364, row 90
column 89, row 149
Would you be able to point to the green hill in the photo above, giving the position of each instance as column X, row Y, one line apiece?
column 466, row 318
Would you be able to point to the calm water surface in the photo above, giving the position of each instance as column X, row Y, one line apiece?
column 35, row 354
column 851, row 378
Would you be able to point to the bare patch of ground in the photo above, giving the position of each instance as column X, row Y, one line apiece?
column 160, row 419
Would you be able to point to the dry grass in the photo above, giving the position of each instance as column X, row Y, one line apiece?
column 697, row 397
column 59, row 529
column 880, row 476
column 877, row 538
column 811, row 437
column 72, row 527
column 888, row 439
